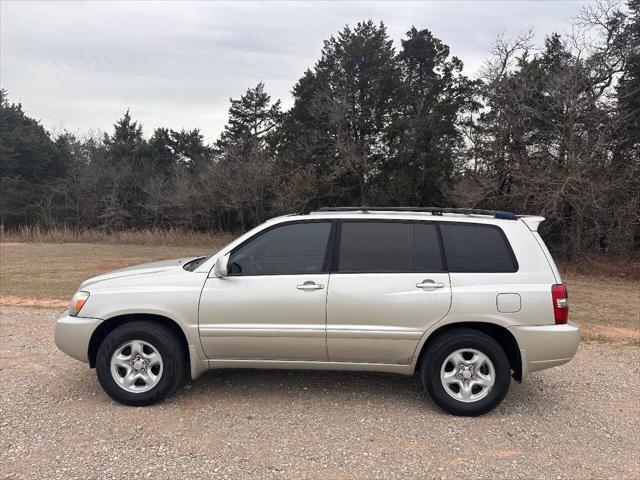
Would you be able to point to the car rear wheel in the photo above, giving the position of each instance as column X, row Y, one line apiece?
column 140, row 363
column 466, row 372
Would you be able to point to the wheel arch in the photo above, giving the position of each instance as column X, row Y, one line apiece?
column 499, row 333
column 108, row 326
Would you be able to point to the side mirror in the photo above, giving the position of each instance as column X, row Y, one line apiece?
column 220, row 267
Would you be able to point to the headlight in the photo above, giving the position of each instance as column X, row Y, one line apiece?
column 77, row 302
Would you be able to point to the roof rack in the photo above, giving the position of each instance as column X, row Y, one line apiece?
column 432, row 210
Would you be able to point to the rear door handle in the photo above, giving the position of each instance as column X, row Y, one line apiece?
column 429, row 284
column 309, row 285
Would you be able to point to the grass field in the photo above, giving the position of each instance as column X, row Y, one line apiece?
column 607, row 307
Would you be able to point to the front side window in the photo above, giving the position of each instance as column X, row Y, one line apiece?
column 476, row 249
column 393, row 247
column 296, row 248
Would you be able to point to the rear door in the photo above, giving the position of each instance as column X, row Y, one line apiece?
column 388, row 284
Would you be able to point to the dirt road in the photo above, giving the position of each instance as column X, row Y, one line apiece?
column 577, row 421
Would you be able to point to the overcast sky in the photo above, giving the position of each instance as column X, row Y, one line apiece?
column 80, row 65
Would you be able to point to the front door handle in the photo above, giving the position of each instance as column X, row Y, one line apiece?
column 309, row 285
column 429, row 284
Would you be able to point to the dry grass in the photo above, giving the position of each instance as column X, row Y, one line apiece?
column 603, row 267
column 47, row 274
column 148, row 237
column 44, row 271
column 606, row 309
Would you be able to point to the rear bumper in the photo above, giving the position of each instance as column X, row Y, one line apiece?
column 546, row 346
column 72, row 335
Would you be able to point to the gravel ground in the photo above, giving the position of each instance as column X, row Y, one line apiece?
column 575, row 421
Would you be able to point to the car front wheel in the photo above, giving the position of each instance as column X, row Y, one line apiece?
column 466, row 372
column 140, row 363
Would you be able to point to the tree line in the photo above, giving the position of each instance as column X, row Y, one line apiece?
column 553, row 131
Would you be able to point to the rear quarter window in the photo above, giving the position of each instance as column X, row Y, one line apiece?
column 477, row 249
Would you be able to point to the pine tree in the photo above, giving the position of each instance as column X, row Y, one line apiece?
column 628, row 90
column 423, row 137
column 29, row 161
column 251, row 117
column 161, row 152
column 341, row 109
column 373, row 125
column 190, row 149
column 126, row 144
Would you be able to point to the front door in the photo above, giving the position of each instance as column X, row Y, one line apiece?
column 388, row 286
column 272, row 304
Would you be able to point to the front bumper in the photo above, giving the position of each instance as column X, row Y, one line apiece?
column 72, row 335
column 546, row 346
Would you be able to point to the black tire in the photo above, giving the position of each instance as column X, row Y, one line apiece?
column 165, row 342
column 446, row 344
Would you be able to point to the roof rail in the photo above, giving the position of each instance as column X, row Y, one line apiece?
column 432, row 210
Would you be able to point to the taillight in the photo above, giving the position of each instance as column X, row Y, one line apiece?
column 560, row 300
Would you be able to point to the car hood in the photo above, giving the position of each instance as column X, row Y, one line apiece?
column 153, row 268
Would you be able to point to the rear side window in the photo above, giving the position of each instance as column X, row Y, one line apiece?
column 476, row 249
column 394, row 247
column 296, row 248
column 428, row 257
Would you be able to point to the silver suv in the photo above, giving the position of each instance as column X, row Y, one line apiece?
column 465, row 298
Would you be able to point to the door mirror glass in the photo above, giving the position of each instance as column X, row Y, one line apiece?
column 220, row 267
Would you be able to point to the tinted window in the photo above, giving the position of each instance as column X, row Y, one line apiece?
column 290, row 249
column 476, row 248
column 428, row 257
column 388, row 247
